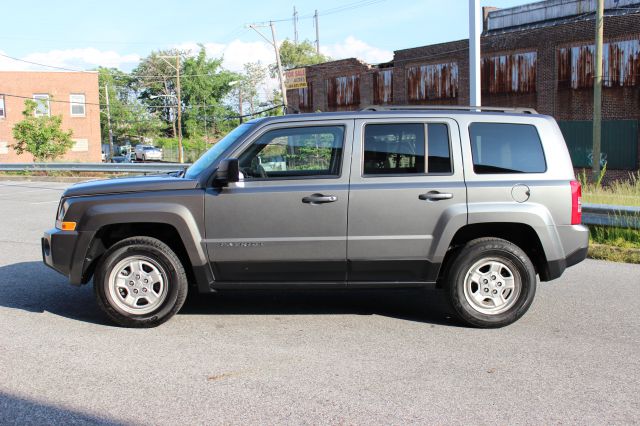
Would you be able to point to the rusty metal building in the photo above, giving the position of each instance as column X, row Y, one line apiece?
column 538, row 55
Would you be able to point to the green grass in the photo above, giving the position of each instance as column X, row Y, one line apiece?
column 618, row 237
column 622, row 193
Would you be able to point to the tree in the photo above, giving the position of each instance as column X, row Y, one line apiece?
column 204, row 87
column 41, row 136
column 298, row 55
column 251, row 81
column 129, row 118
column 154, row 79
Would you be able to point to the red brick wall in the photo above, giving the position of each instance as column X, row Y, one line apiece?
column 618, row 103
column 59, row 85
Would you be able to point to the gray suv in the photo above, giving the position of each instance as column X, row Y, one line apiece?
column 478, row 203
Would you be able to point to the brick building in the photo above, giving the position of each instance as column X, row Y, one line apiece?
column 538, row 55
column 73, row 95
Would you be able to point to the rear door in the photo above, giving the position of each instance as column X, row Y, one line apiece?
column 286, row 220
column 407, row 183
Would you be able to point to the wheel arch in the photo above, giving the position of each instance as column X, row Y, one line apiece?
column 520, row 234
column 171, row 224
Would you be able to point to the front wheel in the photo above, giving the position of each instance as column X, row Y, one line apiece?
column 491, row 283
column 140, row 282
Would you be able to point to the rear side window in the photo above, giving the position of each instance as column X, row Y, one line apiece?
column 407, row 148
column 506, row 148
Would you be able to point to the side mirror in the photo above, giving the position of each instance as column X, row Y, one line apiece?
column 228, row 171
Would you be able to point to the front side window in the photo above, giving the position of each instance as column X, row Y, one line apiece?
column 77, row 105
column 406, row 148
column 3, row 112
column 506, row 148
column 42, row 104
column 295, row 152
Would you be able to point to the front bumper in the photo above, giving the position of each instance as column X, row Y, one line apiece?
column 59, row 249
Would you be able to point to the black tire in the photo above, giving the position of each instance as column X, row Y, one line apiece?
column 479, row 255
column 169, row 267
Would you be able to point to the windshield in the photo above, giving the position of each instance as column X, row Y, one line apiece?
column 214, row 152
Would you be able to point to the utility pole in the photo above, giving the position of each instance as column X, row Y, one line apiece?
column 180, row 153
column 178, row 100
column 597, row 92
column 106, row 94
column 475, row 29
column 295, row 26
column 240, row 101
column 274, row 43
column 315, row 19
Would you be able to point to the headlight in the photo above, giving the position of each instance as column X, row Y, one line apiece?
column 61, row 209
column 60, row 223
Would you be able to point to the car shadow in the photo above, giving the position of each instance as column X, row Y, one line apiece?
column 19, row 410
column 33, row 287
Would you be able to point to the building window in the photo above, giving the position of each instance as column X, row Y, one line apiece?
column 80, row 145
column 3, row 112
column 434, row 81
column 506, row 74
column 620, row 67
column 42, row 107
column 383, row 87
column 343, row 91
column 77, row 105
column 305, row 98
column 4, row 147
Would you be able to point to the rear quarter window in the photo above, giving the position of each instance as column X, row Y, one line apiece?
column 506, row 148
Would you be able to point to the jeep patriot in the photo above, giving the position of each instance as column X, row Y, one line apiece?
column 478, row 202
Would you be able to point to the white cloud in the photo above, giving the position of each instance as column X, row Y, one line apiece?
column 235, row 54
column 82, row 59
column 351, row 47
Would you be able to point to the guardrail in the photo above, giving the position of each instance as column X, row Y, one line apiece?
column 608, row 215
column 592, row 214
column 94, row 167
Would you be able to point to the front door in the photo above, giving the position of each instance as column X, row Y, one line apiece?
column 407, row 186
column 286, row 220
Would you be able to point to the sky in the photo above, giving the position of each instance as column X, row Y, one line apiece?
column 85, row 34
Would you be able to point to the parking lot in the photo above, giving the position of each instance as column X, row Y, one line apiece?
column 360, row 357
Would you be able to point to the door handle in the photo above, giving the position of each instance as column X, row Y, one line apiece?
column 319, row 199
column 435, row 196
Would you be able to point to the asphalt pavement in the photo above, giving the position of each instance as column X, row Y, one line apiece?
column 308, row 357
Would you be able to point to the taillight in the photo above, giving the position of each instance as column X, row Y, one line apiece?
column 576, row 202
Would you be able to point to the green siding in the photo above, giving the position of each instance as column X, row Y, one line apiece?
column 619, row 143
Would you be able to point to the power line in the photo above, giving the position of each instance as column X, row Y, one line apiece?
column 343, row 8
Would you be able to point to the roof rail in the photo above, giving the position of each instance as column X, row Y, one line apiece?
column 448, row 107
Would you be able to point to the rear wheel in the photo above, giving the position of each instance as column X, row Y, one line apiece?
column 491, row 283
column 140, row 282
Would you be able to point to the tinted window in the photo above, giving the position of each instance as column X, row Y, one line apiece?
column 399, row 149
column 394, row 149
column 438, row 148
column 506, row 148
column 294, row 152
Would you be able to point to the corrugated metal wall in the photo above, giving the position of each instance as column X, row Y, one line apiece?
column 548, row 11
column 621, row 62
column 514, row 73
column 434, row 81
column 383, row 87
column 619, row 143
column 343, row 91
